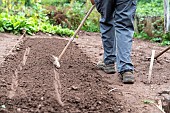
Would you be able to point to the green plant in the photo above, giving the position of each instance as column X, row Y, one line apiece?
column 150, row 22
column 142, row 35
column 32, row 19
column 156, row 39
column 75, row 13
column 48, row 28
column 154, row 8
column 148, row 101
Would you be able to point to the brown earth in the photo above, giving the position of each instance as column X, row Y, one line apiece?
column 7, row 41
column 29, row 83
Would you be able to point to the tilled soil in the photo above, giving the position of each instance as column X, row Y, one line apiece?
column 29, row 83
column 133, row 96
column 7, row 41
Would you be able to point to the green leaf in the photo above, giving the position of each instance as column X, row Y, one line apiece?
column 148, row 102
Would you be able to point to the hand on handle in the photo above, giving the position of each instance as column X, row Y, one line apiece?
column 92, row 1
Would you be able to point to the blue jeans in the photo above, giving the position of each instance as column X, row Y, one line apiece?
column 117, row 29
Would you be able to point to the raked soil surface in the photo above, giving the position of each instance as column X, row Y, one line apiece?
column 29, row 83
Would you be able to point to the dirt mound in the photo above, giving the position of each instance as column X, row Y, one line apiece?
column 29, row 83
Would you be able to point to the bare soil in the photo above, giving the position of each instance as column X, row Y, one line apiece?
column 7, row 41
column 29, row 83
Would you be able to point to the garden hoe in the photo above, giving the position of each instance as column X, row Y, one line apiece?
column 57, row 59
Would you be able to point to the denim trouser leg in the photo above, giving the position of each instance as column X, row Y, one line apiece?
column 116, row 26
column 107, row 30
column 124, row 18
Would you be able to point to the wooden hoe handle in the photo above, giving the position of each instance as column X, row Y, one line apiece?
column 78, row 29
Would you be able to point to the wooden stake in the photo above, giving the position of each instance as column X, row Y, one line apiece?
column 151, row 66
column 160, row 108
column 166, row 16
column 27, row 51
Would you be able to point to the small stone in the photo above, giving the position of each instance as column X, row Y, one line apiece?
column 3, row 80
column 121, row 107
column 3, row 106
column 19, row 109
column 99, row 102
column 39, row 106
column 17, row 49
column 129, row 110
column 42, row 98
column 74, row 88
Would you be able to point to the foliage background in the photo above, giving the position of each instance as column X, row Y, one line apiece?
column 62, row 17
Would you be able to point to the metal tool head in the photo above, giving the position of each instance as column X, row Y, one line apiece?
column 56, row 61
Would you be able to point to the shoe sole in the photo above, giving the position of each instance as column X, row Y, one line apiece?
column 128, row 80
column 111, row 72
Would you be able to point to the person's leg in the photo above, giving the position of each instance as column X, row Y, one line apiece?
column 124, row 17
column 106, row 9
column 124, row 30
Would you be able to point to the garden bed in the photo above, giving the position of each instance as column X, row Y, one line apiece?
column 31, row 84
